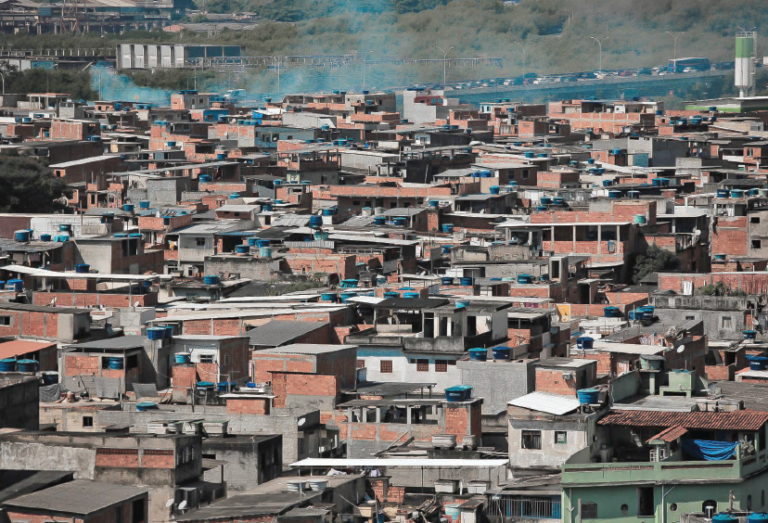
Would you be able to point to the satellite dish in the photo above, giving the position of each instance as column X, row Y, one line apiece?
column 136, row 303
column 681, row 349
column 169, row 503
column 302, row 421
column 53, row 302
column 183, row 505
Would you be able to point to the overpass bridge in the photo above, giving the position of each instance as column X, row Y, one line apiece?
column 607, row 88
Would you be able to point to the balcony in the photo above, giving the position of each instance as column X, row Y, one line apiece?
column 579, row 470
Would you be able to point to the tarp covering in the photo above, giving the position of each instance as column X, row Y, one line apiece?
column 709, row 450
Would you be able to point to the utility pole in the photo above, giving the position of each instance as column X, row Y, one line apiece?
column 524, row 48
column 600, row 45
column 675, row 36
column 445, row 56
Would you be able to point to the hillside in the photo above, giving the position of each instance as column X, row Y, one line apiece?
column 556, row 32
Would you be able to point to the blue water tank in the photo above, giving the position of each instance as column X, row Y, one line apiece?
column 82, row 268
column 524, row 279
column 495, row 189
column 466, row 281
column 211, row 280
column 478, row 354
column 458, row 393
column 448, row 228
column 588, row 396
column 502, row 353
column 21, row 236
column 27, row 365
column 242, row 249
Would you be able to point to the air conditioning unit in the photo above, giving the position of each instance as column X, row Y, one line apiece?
column 567, row 375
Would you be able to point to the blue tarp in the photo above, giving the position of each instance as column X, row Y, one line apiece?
column 709, row 450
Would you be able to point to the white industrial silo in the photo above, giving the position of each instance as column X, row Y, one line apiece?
column 745, row 61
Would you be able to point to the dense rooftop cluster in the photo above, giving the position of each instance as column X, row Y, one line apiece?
column 379, row 307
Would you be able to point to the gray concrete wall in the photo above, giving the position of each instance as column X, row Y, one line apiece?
column 281, row 421
column 248, row 464
column 96, row 254
column 167, row 191
column 497, row 382
column 258, row 269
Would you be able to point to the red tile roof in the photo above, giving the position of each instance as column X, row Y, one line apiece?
column 14, row 348
column 738, row 420
column 669, row 435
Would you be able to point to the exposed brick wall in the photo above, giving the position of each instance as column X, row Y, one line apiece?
column 248, row 406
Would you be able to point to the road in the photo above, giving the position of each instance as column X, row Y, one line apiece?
column 608, row 88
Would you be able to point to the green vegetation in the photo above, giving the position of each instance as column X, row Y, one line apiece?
column 76, row 83
column 557, row 32
column 720, row 289
column 653, row 260
column 28, row 186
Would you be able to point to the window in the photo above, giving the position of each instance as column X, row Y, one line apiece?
column 688, row 318
column 526, row 174
column 206, row 358
column 673, row 507
column 531, row 440
column 87, row 421
column 131, row 362
column 441, row 365
column 645, row 504
column 624, row 509
column 756, row 244
column 105, row 363
column 200, row 242
column 726, row 323
column 386, row 367
column 754, row 219
column 561, row 437
column 422, row 365
column 6, row 321
column 360, row 364
column 138, row 511
column 355, row 202
column 709, row 507
column 589, row 510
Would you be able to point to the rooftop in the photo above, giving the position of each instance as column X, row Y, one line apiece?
column 740, row 420
column 276, row 333
column 307, row 348
column 79, row 497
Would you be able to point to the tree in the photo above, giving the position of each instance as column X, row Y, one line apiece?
column 653, row 260
column 27, row 186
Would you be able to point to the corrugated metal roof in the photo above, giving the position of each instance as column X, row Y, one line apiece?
column 749, row 420
column 276, row 333
column 556, row 404
column 77, row 497
column 306, row 348
column 291, row 220
column 20, row 347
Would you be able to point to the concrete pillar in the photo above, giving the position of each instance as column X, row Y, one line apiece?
column 574, row 240
column 599, row 241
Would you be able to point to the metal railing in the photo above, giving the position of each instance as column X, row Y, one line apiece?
column 521, row 507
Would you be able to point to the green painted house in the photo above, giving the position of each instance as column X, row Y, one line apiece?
column 654, row 466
